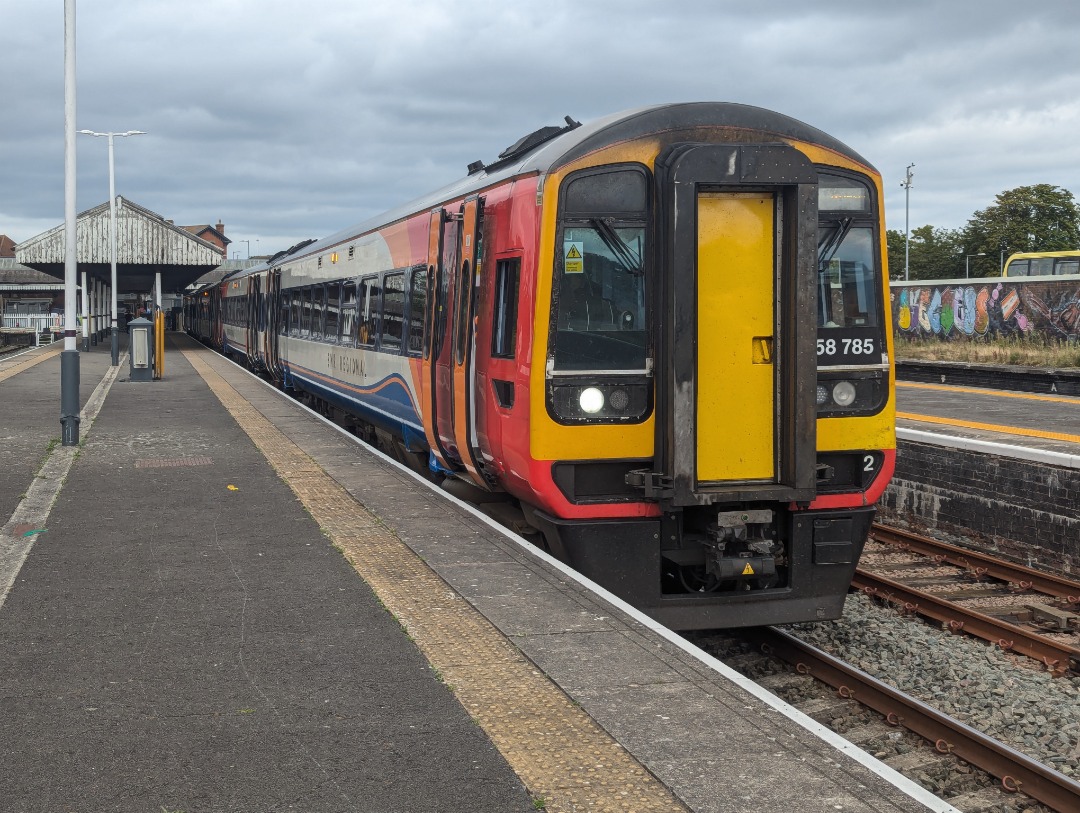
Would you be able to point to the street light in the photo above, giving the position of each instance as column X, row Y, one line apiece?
column 967, row 262
column 248, row 244
column 907, row 208
column 112, row 232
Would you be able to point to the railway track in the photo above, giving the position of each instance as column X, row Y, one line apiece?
column 1015, row 607
column 1022, row 783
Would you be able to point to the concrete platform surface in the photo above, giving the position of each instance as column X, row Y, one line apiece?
column 233, row 606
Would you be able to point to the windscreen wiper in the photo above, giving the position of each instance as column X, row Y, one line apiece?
column 828, row 247
column 628, row 260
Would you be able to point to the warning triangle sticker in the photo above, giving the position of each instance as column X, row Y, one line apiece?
column 572, row 253
column 748, row 571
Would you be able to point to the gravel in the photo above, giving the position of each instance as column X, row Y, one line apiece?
column 1005, row 696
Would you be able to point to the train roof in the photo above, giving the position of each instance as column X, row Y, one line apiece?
column 550, row 148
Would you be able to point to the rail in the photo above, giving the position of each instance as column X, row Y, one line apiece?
column 1016, row 771
column 1057, row 657
column 980, row 564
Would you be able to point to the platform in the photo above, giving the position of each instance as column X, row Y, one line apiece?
column 234, row 606
column 1020, row 424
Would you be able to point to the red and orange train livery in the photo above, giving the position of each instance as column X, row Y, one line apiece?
column 659, row 339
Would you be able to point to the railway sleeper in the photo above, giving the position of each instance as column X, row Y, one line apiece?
column 1057, row 618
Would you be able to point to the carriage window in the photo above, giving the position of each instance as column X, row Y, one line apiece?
column 283, row 316
column 333, row 310
column 393, row 311
column 367, row 305
column 1018, row 268
column 1042, row 266
column 461, row 320
column 505, row 321
column 348, row 312
column 417, row 310
column 305, row 312
column 318, row 294
column 294, row 312
column 1067, row 267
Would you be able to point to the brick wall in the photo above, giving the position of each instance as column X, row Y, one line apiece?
column 1029, row 511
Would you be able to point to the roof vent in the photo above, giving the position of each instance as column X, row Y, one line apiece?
column 475, row 167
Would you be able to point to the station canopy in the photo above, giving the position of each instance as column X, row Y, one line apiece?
column 146, row 244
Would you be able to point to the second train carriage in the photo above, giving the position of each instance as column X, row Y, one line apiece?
column 662, row 335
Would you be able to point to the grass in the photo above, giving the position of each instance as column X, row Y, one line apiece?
column 1020, row 352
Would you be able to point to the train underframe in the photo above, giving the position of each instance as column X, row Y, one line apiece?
column 720, row 566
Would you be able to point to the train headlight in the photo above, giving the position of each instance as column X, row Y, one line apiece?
column 585, row 399
column 843, row 393
column 852, row 392
column 591, row 400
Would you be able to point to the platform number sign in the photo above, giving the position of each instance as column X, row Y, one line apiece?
column 845, row 347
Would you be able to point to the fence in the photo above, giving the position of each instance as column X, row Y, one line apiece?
column 38, row 324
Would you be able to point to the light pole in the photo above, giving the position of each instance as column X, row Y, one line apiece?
column 906, row 183
column 248, row 244
column 967, row 262
column 69, row 357
column 112, row 233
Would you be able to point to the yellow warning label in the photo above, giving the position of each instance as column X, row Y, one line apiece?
column 748, row 571
column 573, row 257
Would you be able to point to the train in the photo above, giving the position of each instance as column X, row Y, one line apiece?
column 657, row 342
column 1042, row 264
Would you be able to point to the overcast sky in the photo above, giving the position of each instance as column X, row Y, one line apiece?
column 288, row 120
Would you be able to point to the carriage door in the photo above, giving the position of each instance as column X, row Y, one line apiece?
column 464, row 363
column 444, row 238
column 275, row 322
column 736, row 414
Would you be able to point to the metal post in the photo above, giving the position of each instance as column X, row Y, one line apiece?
column 112, row 234
column 69, row 357
column 112, row 253
column 907, row 208
column 84, row 298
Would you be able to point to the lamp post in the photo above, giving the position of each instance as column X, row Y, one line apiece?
column 69, row 357
column 967, row 262
column 112, row 232
column 907, row 208
column 248, row 244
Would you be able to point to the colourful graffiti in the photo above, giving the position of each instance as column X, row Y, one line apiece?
column 989, row 308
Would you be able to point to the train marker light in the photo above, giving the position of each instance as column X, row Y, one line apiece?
column 844, row 393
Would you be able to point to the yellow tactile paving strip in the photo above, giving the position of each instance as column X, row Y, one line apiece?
column 990, row 427
column 18, row 367
column 1029, row 396
column 562, row 756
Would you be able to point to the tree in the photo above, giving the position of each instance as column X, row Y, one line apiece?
column 932, row 253
column 1028, row 218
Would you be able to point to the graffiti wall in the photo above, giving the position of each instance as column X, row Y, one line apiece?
column 987, row 308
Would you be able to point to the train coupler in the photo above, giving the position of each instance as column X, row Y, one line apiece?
column 740, row 546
